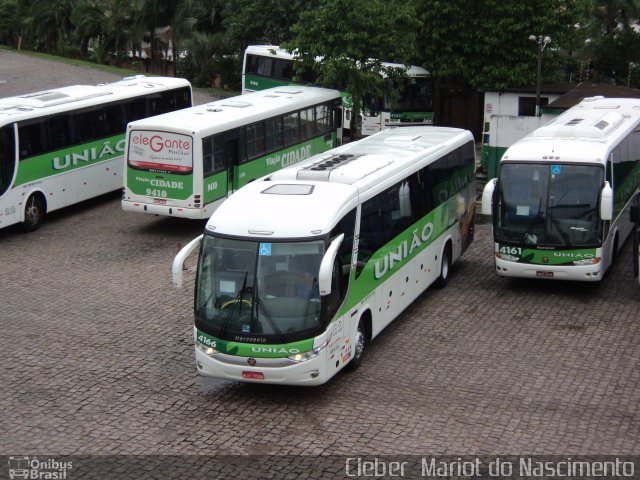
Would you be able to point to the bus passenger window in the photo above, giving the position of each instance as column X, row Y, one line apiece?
column 274, row 134
column 291, row 128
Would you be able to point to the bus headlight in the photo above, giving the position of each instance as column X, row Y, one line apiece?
column 206, row 349
column 304, row 356
column 587, row 261
column 507, row 258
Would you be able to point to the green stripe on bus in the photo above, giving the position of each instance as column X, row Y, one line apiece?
column 68, row 159
column 254, row 350
column 547, row 257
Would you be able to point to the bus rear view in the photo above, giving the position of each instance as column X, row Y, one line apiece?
column 560, row 203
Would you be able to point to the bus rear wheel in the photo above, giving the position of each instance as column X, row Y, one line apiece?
column 34, row 213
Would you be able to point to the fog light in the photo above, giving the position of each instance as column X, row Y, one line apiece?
column 199, row 364
column 315, row 374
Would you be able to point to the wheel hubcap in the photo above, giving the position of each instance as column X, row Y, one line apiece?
column 359, row 343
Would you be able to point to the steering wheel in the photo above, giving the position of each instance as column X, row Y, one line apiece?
column 234, row 301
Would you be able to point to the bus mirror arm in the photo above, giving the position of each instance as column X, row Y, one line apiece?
column 606, row 203
column 178, row 261
column 326, row 266
column 487, row 196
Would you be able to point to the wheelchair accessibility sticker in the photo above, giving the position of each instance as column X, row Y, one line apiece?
column 265, row 249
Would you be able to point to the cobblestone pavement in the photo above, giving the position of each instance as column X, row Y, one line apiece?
column 96, row 358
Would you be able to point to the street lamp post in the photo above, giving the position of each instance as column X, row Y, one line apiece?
column 542, row 43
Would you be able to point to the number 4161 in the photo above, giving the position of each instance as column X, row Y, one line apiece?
column 511, row 250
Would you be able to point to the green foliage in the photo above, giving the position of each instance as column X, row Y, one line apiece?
column 469, row 45
column 490, row 47
column 351, row 38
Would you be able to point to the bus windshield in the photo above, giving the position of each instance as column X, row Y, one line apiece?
column 251, row 289
column 412, row 95
column 552, row 205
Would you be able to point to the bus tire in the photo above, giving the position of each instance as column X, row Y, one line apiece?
column 34, row 213
column 359, row 347
column 445, row 268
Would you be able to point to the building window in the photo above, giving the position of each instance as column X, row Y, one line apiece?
column 527, row 105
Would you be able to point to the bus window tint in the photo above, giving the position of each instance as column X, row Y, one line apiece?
column 32, row 139
column 283, row 69
column 213, row 157
column 115, row 119
column 89, row 125
column 255, row 140
column 307, row 127
column 58, row 130
column 274, row 133
column 323, row 119
column 291, row 128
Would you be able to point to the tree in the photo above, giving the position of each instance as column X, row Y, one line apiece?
column 612, row 52
column 345, row 42
column 51, row 22
column 485, row 45
column 89, row 22
column 269, row 22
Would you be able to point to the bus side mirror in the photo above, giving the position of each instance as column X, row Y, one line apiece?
column 487, row 196
column 606, row 202
column 178, row 261
column 326, row 266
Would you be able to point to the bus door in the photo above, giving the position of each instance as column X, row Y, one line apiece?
column 635, row 219
column 7, row 171
column 231, row 154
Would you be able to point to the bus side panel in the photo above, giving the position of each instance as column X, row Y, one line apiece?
column 283, row 158
column 10, row 208
column 340, row 345
column 92, row 181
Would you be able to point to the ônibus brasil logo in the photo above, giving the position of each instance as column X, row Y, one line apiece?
column 33, row 468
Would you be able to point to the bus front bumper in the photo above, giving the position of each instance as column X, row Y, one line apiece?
column 582, row 273
column 310, row 372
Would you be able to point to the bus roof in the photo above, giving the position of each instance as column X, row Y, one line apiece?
column 77, row 96
column 585, row 133
column 236, row 111
column 308, row 198
column 277, row 52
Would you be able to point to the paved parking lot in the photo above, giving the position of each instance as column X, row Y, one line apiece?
column 96, row 358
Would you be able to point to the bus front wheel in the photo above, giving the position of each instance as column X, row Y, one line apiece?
column 359, row 347
column 445, row 268
column 34, row 213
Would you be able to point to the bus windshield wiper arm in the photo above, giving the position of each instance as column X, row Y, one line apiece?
column 271, row 321
column 236, row 302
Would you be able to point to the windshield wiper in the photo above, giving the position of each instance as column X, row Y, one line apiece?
column 271, row 321
column 236, row 302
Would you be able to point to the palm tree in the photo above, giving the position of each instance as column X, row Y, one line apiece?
column 51, row 21
column 89, row 21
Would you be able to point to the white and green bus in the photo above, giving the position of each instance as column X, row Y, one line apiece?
column 185, row 163
column 298, row 271
column 65, row 145
column 560, row 204
column 267, row 66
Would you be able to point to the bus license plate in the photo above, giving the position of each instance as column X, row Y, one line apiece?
column 253, row 375
column 159, row 201
column 544, row 274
